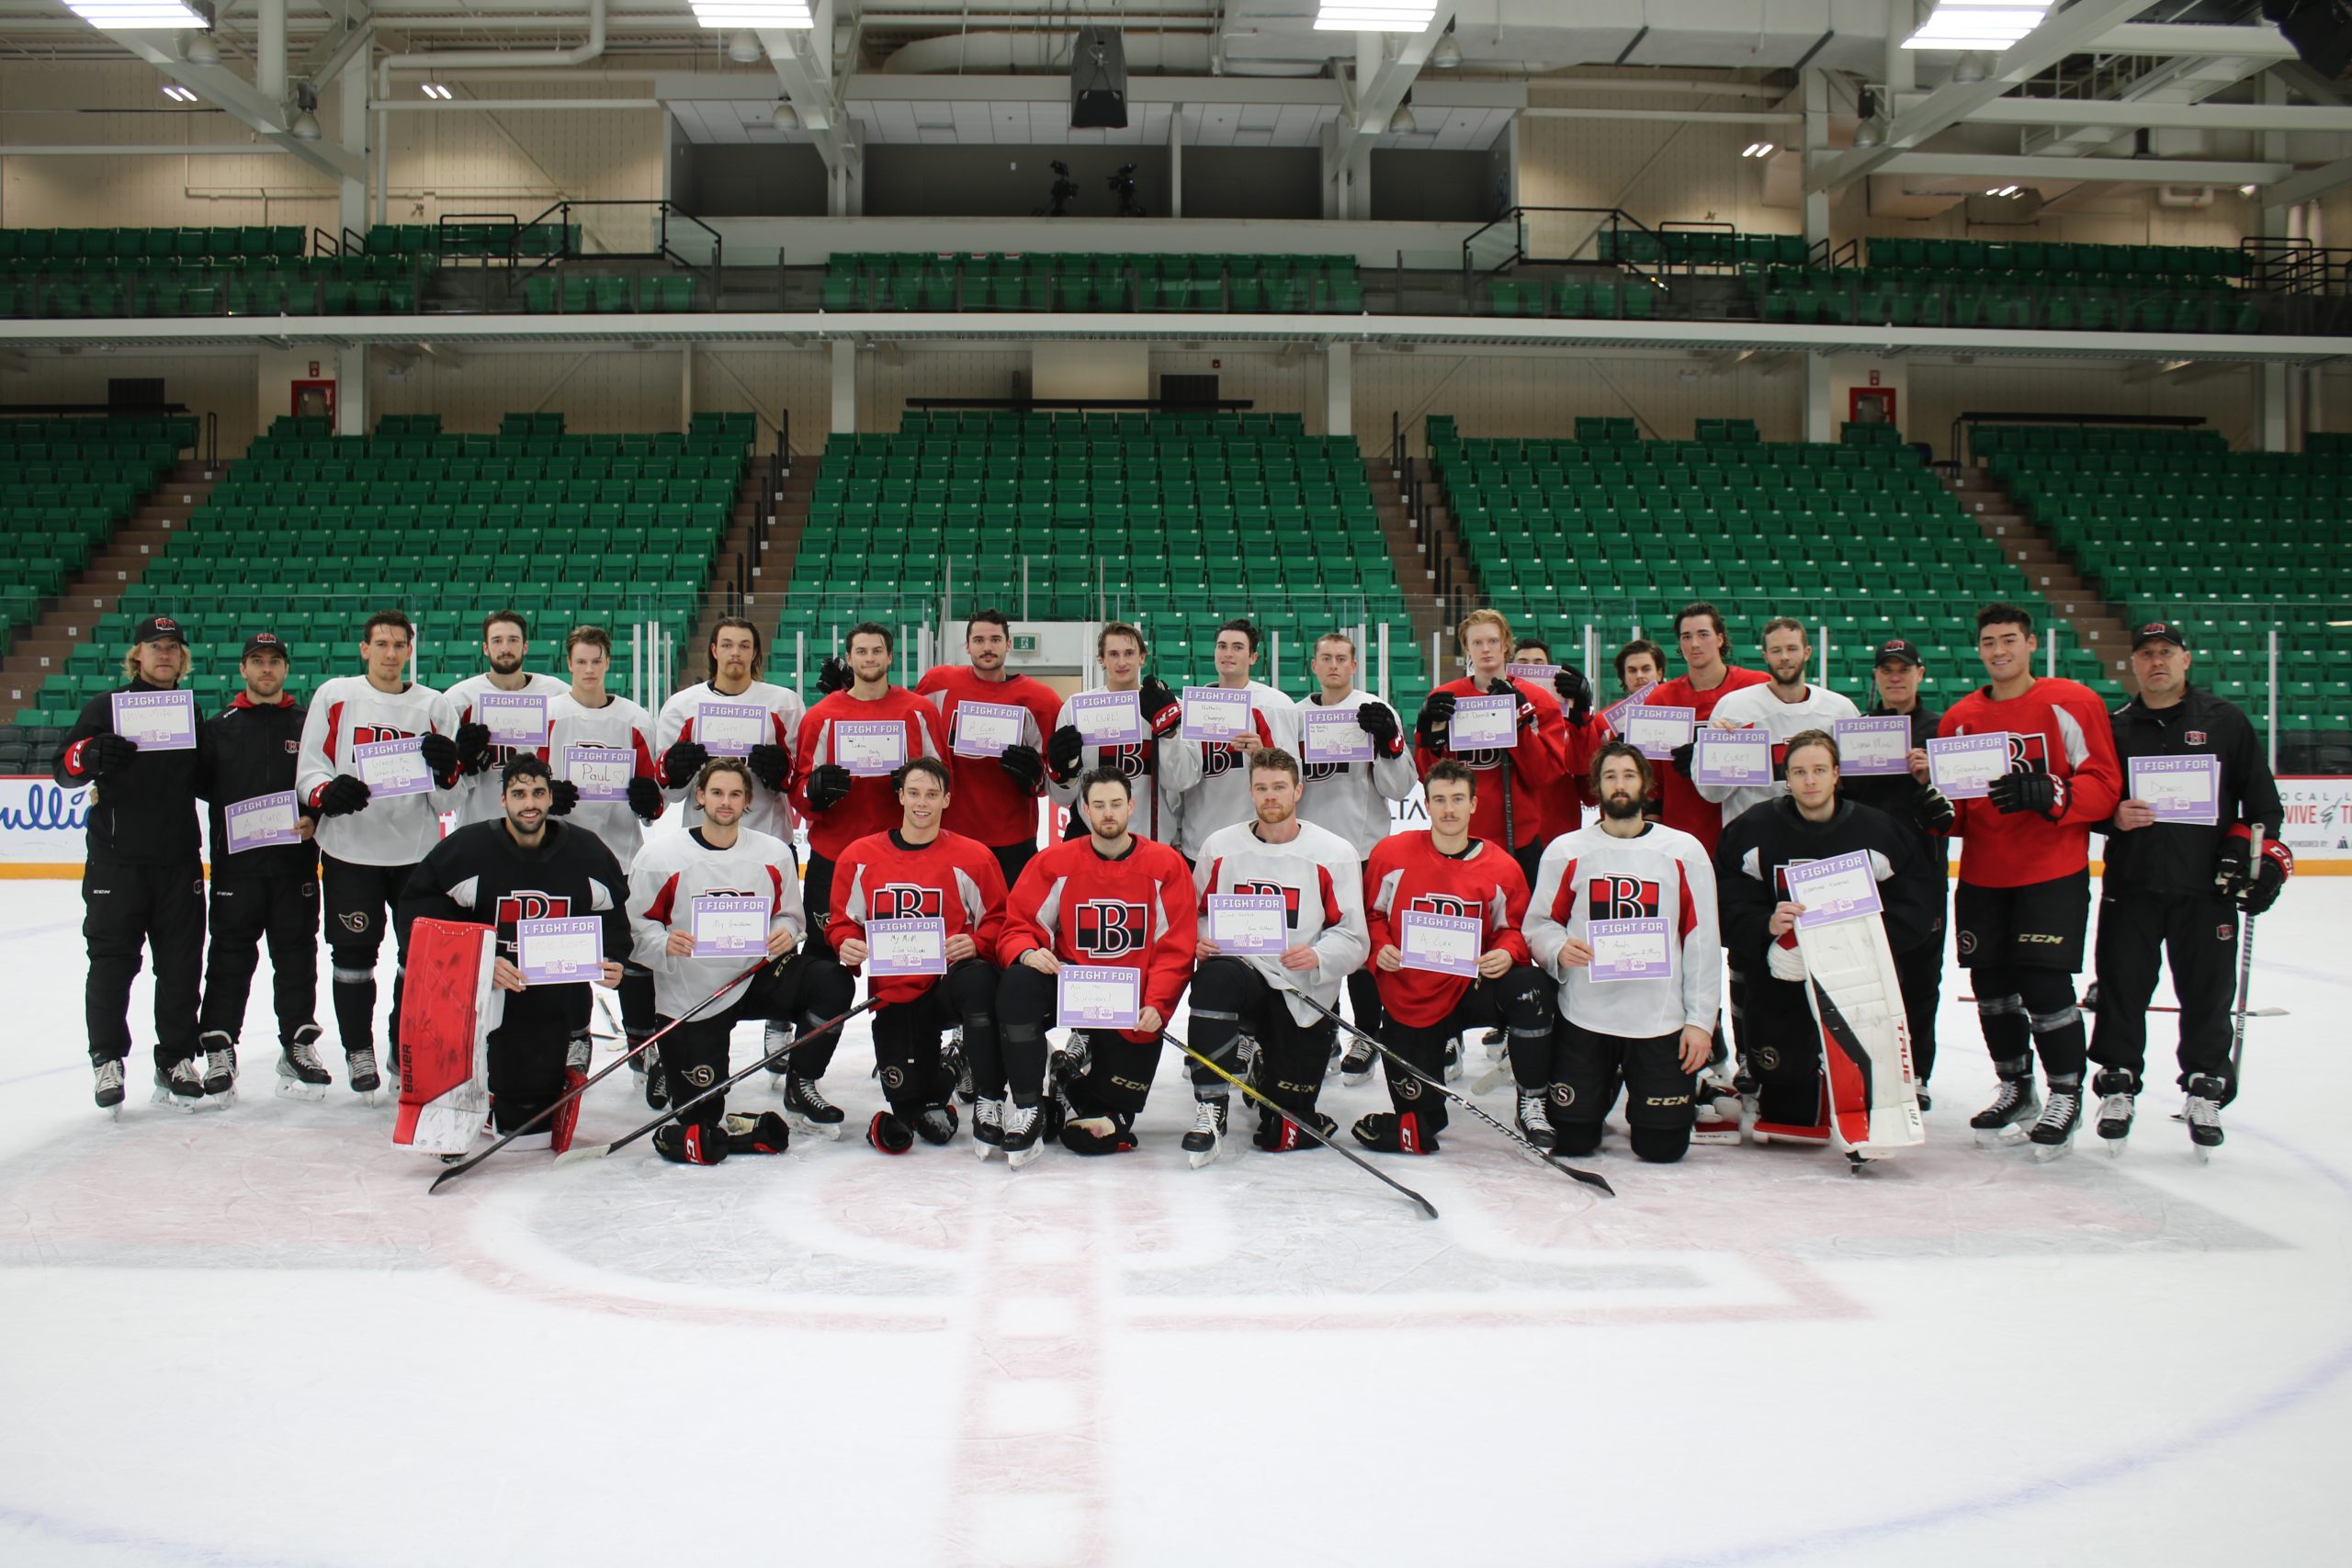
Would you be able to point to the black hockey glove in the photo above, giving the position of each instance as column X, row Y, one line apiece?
column 645, row 797
column 1681, row 756
column 2252, row 888
column 1430, row 729
column 1027, row 768
column 2044, row 794
column 106, row 753
column 1575, row 694
column 833, row 676
column 828, row 787
column 1379, row 721
column 769, row 766
column 1934, row 813
column 1162, row 710
column 440, row 754
column 343, row 796
column 682, row 761
column 1066, row 749
column 473, row 746
column 564, row 794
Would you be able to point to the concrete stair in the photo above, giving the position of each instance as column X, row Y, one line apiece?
column 2094, row 622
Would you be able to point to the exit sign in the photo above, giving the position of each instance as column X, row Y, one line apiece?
column 1024, row 642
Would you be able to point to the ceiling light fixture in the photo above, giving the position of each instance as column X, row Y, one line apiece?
column 784, row 117
column 434, row 90
column 178, row 93
column 1374, row 16
column 1447, row 55
column 1871, row 132
column 755, row 15
column 1402, row 122
column 744, row 48
column 138, row 16
column 198, row 49
column 1759, row 149
column 1971, row 68
column 1977, row 25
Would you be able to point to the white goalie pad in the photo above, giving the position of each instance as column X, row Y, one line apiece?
column 1856, row 1003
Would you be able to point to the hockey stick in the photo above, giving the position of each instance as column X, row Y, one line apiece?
column 581, row 1087
column 1590, row 1178
column 2246, row 962
column 612, row 1030
column 2243, row 1012
column 1308, row 1128
column 766, row 1063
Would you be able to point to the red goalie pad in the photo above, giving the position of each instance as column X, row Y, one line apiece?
column 447, row 1009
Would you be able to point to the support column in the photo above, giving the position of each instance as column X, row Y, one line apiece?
column 2272, row 428
column 844, row 386
column 1175, row 159
column 350, row 387
column 1815, row 144
column 1820, row 423
column 1902, row 21
column 351, row 92
column 686, row 388
column 1339, row 389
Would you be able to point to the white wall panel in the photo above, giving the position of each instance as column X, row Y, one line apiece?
column 1526, row 395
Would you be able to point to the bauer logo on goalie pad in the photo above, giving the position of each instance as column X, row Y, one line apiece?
column 905, row 901
column 1621, row 899
column 1108, row 929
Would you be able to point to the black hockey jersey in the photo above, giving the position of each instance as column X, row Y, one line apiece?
column 1765, row 840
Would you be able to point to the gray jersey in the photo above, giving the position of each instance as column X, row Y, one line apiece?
column 1352, row 798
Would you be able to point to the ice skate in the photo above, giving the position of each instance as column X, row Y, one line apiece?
column 2203, row 1114
column 2053, row 1135
column 952, row 1063
column 300, row 1073
column 1720, row 1113
column 359, row 1067
column 806, row 1104
column 1535, row 1120
column 1355, row 1067
column 1023, row 1127
column 1454, row 1060
column 219, row 1067
column 778, row 1037
column 178, row 1085
column 2118, row 1097
column 2002, row 1123
column 107, row 1090
column 988, row 1126
column 1208, row 1136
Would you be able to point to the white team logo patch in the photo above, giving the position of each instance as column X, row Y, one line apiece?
column 701, row 1078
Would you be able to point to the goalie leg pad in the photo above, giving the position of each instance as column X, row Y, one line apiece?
column 1864, row 1036
column 451, row 1013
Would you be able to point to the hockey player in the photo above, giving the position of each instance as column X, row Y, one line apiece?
column 247, row 751
column 735, row 652
column 2181, row 881
column 1922, row 812
column 142, row 882
column 844, row 805
column 2025, row 872
column 588, row 717
column 1510, row 805
column 1212, row 778
column 1650, row 1034
column 1706, row 681
column 1444, row 871
column 919, row 870
column 1352, row 798
column 1781, row 707
column 1120, row 650
column 369, row 846
column 527, row 866
column 1319, row 877
column 506, row 644
column 1583, row 733
column 1780, row 1041
column 1110, row 899
column 1639, row 663
column 995, row 797
column 720, row 858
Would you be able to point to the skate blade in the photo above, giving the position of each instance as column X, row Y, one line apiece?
column 1204, row 1157
column 1489, row 1080
column 984, row 1150
column 224, row 1098
column 2114, row 1146
column 295, row 1089
column 1015, row 1158
column 1453, row 1072
column 2045, row 1153
column 829, row 1131
column 166, row 1096
column 369, row 1095
column 2007, row 1137
column 1356, row 1080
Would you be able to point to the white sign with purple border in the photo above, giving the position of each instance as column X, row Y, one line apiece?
column 1332, row 735
column 729, row 730
column 1107, row 718
column 988, row 730
column 598, row 773
column 261, row 823
column 2181, row 789
column 1614, row 714
column 1484, row 722
column 392, row 767
column 514, row 718
column 729, row 925
column 1964, row 766
column 1440, row 944
column 1216, row 715
column 870, row 748
column 1541, row 675
column 1843, row 887
column 1098, row 995
column 157, row 721
column 1629, row 950
column 1878, row 746
column 1654, row 732
column 568, row 950
column 915, row 945
column 1732, row 759
column 1249, row 925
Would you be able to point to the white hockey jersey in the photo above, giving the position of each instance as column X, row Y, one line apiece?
column 1352, row 798
column 619, row 724
column 670, row 872
column 1754, row 707
column 348, row 712
column 1160, row 812
column 1662, row 875
column 771, row 811
column 1320, row 876
column 477, row 795
column 1213, row 781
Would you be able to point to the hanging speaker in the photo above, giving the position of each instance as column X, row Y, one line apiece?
column 1098, row 81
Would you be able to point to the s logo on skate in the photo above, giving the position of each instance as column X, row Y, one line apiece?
column 1108, row 929
column 903, row 901
column 1621, row 899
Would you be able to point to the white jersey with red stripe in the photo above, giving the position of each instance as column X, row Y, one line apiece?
column 478, row 794
column 1752, row 707
column 1352, row 798
column 1319, row 877
column 348, row 712
column 619, row 726
column 1212, row 778
column 670, row 872
column 1663, row 873
column 771, row 811
column 1159, row 809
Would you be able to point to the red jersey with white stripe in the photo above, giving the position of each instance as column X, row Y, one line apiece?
column 2055, row 727
column 871, row 805
column 1664, row 874
column 348, row 712
column 951, row 879
column 989, row 803
column 1536, row 764
column 771, row 810
column 1408, row 872
column 1684, row 807
column 1134, row 912
column 619, row 726
column 1319, row 878
column 671, row 872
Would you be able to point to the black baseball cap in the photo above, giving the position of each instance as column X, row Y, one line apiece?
column 266, row 642
column 2157, row 631
column 160, row 628
column 1903, row 650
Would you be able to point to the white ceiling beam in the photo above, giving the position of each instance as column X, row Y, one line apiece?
column 2133, row 114
column 234, row 96
column 2065, row 32
column 2255, row 41
column 2311, row 182
column 2137, row 171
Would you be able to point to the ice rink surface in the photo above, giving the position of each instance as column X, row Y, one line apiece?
column 247, row 1335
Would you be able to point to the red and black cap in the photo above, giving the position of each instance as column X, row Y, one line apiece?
column 266, row 642
column 160, row 628
column 1903, row 650
column 2157, row 631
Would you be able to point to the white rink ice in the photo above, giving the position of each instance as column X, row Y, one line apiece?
column 247, row 1336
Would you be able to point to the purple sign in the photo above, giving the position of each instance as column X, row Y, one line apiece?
column 1484, row 722
column 1107, row 718
column 1873, row 747
column 1249, row 925
column 599, row 773
column 870, row 748
column 514, row 718
column 1216, row 716
column 157, row 721
column 727, row 925
column 911, row 946
column 1614, row 714
column 1332, row 735
column 258, row 823
column 1098, row 995
column 2180, row 789
column 1843, row 887
column 392, row 767
column 568, row 950
column 730, row 729
column 1654, row 732
column 1629, row 950
column 1732, row 759
column 1443, row 944
column 987, row 729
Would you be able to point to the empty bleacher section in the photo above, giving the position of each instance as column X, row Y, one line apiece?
column 1178, row 521
column 69, row 481
column 2023, row 284
column 312, row 531
column 1617, row 533
column 2172, row 525
column 78, row 273
column 1143, row 281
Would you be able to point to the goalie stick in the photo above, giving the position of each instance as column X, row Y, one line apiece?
column 766, row 1063
column 1590, row 1178
column 1307, row 1127
column 576, row 1090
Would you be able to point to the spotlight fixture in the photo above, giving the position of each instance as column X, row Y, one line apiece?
column 1971, row 68
column 138, row 16
column 178, row 93
column 305, row 127
column 1447, row 54
column 753, row 14
column 1759, row 149
column 1402, row 122
column 199, row 50
column 784, row 117
column 2248, row 190
column 1871, row 132
column 744, row 48
column 1374, row 16
column 434, row 90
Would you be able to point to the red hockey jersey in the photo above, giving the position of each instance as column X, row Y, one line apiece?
column 1134, row 912
column 1684, row 807
column 2056, row 726
column 987, row 803
column 871, row 805
column 1407, row 871
column 951, row 879
column 1537, row 765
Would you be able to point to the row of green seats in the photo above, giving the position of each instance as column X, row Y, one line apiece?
column 74, row 300
column 573, row 294
column 2038, row 258
column 18, row 246
column 1841, row 301
column 1697, row 247
column 992, row 423
column 1603, row 298
column 474, row 239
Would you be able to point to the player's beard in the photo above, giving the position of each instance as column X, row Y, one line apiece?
column 1621, row 807
column 1281, row 815
column 505, row 666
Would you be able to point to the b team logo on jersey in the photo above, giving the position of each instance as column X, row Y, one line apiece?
column 1133, row 761
column 527, row 905
column 1108, row 927
column 1441, row 904
column 1284, row 891
column 1218, row 761
column 906, row 901
column 369, row 734
column 1313, row 772
column 2028, row 753
column 1621, row 899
